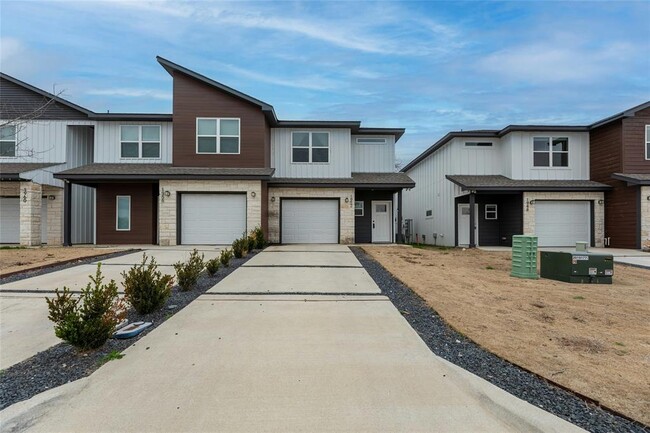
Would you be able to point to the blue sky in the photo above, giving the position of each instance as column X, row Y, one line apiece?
column 429, row 67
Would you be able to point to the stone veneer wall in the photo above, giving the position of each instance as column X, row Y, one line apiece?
column 645, row 217
column 346, row 209
column 54, row 215
column 167, row 205
column 599, row 210
column 30, row 213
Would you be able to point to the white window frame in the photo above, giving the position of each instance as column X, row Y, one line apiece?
column 141, row 141
column 311, row 147
column 117, row 213
column 380, row 140
column 428, row 213
column 493, row 210
column 478, row 144
column 219, row 135
column 361, row 208
column 15, row 142
column 550, row 152
column 647, row 142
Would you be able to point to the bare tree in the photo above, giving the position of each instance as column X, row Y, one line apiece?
column 398, row 164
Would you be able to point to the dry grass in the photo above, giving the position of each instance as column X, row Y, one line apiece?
column 20, row 259
column 594, row 339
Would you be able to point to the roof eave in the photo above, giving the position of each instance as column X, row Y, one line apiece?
column 141, row 177
column 631, row 180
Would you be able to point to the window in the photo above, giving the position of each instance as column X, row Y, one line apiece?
column 123, row 213
column 490, row 211
column 217, row 135
column 310, row 147
column 478, row 144
column 8, row 141
column 550, row 152
column 358, row 208
column 647, row 142
column 140, row 141
column 429, row 213
column 368, row 140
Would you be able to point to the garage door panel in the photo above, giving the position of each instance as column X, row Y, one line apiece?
column 9, row 220
column 562, row 223
column 212, row 219
column 310, row 221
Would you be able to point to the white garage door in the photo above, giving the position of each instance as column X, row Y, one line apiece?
column 9, row 220
column 562, row 223
column 310, row 221
column 212, row 219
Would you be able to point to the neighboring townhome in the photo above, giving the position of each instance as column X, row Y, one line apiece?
column 620, row 157
column 40, row 135
column 223, row 164
column 479, row 188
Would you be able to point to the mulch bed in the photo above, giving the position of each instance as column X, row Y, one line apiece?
column 63, row 363
column 447, row 343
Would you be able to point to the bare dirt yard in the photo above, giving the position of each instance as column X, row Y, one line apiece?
column 591, row 338
column 20, row 259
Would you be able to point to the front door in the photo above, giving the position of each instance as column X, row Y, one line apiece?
column 381, row 218
column 463, row 224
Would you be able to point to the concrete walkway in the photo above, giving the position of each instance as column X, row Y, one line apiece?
column 272, row 362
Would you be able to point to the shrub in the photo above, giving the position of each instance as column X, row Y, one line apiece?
column 188, row 272
column 89, row 320
column 239, row 247
column 225, row 257
column 212, row 265
column 251, row 243
column 258, row 237
column 145, row 287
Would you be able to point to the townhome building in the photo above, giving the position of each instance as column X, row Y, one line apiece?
column 219, row 165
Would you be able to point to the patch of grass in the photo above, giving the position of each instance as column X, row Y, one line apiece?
column 618, row 343
column 114, row 354
column 489, row 268
column 12, row 247
column 579, row 298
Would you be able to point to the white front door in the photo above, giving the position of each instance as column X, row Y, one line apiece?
column 463, row 224
column 381, row 218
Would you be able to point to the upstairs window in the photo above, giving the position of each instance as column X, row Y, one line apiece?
column 647, row 142
column 370, row 140
column 478, row 144
column 216, row 135
column 310, row 147
column 550, row 152
column 8, row 141
column 140, row 141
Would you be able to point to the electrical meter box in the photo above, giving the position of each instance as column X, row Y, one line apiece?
column 577, row 267
column 524, row 256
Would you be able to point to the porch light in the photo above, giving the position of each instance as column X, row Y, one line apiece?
column 347, row 200
column 51, row 197
column 601, row 201
column 272, row 199
column 253, row 194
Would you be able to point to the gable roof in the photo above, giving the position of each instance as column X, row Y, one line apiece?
column 627, row 113
column 498, row 182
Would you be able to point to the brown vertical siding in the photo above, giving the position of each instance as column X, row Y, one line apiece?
column 634, row 143
column 193, row 99
column 143, row 213
column 621, row 215
column 605, row 151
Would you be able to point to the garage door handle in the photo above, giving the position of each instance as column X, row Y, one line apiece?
column 373, row 224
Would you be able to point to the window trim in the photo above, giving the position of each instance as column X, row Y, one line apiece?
column 378, row 143
column 428, row 213
column 647, row 142
column 329, row 153
column 495, row 212
column 117, row 213
column 141, row 142
column 15, row 141
column 362, row 208
column 218, row 136
column 477, row 144
column 550, row 152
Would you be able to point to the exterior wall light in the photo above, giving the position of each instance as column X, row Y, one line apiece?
column 167, row 194
column 601, row 201
column 51, row 197
column 253, row 194
column 272, row 199
column 347, row 200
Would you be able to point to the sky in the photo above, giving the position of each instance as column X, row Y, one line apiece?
column 430, row 67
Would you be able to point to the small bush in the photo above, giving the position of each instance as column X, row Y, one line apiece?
column 88, row 321
column 251, row 244
column 239, row 247
column 258, row 237
column 212, row 266
column 145, row 287
column 225, row 257
column 111, row 356
column 188, row 272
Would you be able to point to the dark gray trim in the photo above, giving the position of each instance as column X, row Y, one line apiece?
column 340, row 185
column 472, row 219
column 397, row 132
column 338, row 199
column 162, row 117
column 523, row 187
column 631, row 180
column 179, row 199
column 67, row 214
column 639, row 240
column 592, row 222
column 627, row 113
column 400, row 236
column 352, row 124
column 142, row 177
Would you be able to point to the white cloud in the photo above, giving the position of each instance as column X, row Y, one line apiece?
column 130, row 93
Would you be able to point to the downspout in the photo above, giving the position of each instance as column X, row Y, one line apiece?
column 67, row 213
column 472, row 218
column 400, row 235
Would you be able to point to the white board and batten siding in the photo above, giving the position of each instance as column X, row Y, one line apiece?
column 79, row 151
column 373, row 158
column 107, row 143
column 340, row 162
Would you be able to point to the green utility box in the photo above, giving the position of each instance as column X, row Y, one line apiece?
column 524, row 256
column 577, row 267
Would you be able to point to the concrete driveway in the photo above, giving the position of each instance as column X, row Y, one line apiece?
column 282, row 362
column 24, row 327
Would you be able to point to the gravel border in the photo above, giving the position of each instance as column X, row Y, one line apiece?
column 63, row 363
column 21, row 275
column 449, row 344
